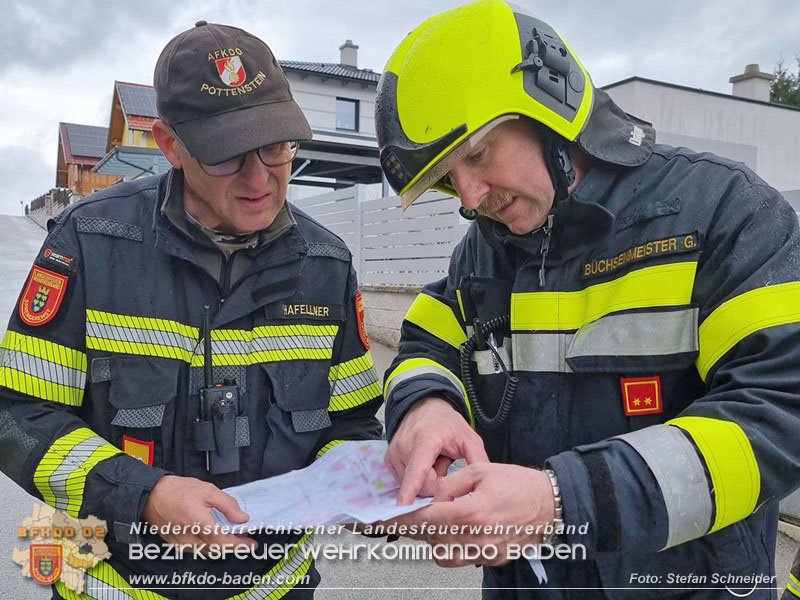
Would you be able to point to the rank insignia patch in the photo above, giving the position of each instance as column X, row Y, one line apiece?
column 138, row 449
column 42, row 296
column 362, row 329
column 46, row 562
column 641, row 395
column 394, row 168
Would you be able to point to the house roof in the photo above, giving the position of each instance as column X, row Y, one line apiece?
column 332, row 70
column 137, row 99
column 695, row 90
column 82, row 144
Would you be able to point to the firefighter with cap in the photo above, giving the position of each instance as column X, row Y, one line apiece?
column 189, row 332
column 615, row 346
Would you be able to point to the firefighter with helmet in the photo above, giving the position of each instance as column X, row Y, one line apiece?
column 614, row 348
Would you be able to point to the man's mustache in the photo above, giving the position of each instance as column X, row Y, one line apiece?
column 496, row 201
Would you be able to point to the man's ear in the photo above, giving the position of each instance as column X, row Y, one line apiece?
column 166, row 141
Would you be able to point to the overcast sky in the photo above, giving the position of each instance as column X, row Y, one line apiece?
column 60, row 58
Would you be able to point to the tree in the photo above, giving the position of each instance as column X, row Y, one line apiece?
column 785, row 88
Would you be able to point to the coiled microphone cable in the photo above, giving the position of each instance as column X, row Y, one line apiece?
column 468, row 349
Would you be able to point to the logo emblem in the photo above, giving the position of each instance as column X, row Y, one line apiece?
column 641, row 395
column 138, row 449
column 231, row 71
column 46, row 562
column 362, row 329
column 637, row 136
column 42, row 296
column 395, row 168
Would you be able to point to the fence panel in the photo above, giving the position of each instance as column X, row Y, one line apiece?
column 391, row 247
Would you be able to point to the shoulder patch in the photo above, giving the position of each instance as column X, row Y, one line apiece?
column 362, row 329
column 329, row 250
column 42, row 297
column 110, row 227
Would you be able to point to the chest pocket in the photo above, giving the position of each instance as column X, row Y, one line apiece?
column 297, row 369
column 142, row 394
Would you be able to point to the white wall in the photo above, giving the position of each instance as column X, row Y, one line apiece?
column 317, row 97
column 766, row 138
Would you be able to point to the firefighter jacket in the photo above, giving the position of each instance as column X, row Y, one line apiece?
column 102, row 368
column 655, row 332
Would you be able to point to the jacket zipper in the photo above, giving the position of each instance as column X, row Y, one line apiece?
column 548, row 227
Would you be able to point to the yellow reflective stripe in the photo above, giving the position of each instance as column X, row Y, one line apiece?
column 436, row 318
column 61, row 474
column 134, row 322
column 291, row 569
column 461, row 306
column 39, row 388
column 743, row 315
column 353, row 382
column 352, row 367
column 793, row 585
column 661, row 285
column 143, row 336
column 55, row 353
column 43, row 369
column 355, row 398
column 141, row 349
column 729, row 457
column 290, row 330
column 104, row 582
column 427, row 366
column 328, row 446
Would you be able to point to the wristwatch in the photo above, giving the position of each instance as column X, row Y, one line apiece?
column 558, row 521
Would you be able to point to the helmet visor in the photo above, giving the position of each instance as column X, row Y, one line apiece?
column 438, row 169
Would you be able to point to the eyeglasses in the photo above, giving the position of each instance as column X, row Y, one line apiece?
column 273, row 155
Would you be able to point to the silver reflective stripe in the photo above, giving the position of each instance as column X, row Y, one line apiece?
column 353, row 383
column 540, row 352
column 426, row 370
column 44, row 369
column 487, row 362
column 139, row 336
column 627, row 334
column 681, row 478
column 101, row 590
column 297, row 342
column 262, row 343
column 793, row 587
column 73, row 461
column 638, row 334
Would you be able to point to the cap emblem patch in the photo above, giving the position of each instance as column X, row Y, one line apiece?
column 231, row 71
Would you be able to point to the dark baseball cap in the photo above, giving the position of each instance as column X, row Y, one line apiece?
column 222, row 91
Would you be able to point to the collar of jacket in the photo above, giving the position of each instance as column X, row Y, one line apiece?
column 579, row 221
column 289, row 245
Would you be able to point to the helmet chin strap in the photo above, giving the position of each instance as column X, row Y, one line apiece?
column 559, row 164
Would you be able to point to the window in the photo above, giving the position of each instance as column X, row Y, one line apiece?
column 347, row 114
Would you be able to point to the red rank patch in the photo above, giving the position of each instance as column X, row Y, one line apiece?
column 42, row 296
column 46, row 562
column 362, row 329
column 138, row 449
column 641, row 395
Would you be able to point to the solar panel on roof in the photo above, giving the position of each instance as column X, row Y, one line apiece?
column 86, row 140
column 138, row 100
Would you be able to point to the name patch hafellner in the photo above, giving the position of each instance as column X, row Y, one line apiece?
column 676, row 244
column 42, row 296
